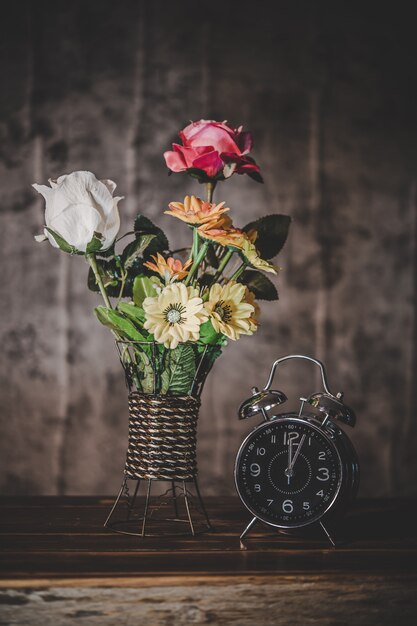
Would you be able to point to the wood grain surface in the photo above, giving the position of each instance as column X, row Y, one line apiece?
column 58, row 563
column 52, row 537
column 279, row 602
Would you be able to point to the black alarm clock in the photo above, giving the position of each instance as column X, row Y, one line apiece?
column 297, row 470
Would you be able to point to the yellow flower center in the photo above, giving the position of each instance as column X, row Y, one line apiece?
column 173, row 313
column 224, row 311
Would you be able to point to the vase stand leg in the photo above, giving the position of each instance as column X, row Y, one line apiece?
column 174, row 498
column 201, row 502
column 187, row 506
column 145, row 512
column 116, row 502
column 132, row 503
column 132, row 513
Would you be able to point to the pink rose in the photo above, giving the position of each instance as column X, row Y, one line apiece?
column 213, row 150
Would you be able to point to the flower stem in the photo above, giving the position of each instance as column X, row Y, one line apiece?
column 225, row 260
column 200, row 256
column 210, row 187
column 239, row 271
column 196, row 240
column 122, row 288
column 91, row 258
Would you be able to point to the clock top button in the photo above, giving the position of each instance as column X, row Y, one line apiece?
column 261, row 402
column 333, row 407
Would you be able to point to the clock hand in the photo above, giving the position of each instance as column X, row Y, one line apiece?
column 297, row 452
column 288, row 473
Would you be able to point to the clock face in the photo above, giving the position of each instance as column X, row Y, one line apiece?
column 288, row 472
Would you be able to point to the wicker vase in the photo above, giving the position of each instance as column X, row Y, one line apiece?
column 162, row 437
column 162, row 443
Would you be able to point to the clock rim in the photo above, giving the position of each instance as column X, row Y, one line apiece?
column 311, row 423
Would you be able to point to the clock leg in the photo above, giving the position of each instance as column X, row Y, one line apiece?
column 245, row 532
column 328, row 535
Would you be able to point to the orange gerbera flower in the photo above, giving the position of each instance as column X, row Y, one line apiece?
column 170, row 269
column 196, row 211
column 222, row 231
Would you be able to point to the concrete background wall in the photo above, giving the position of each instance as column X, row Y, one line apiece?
column 329, row 92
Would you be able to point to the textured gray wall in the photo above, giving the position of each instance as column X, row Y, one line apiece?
column 327, row 91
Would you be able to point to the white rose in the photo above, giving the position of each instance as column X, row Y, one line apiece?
column 78, row 208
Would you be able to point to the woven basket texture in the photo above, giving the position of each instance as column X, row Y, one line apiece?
column 162, row 437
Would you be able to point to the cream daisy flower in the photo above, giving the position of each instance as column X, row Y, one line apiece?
column 250, row 299
column 175, row 315
column 229, row 312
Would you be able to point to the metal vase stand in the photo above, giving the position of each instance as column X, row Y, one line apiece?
column 159, row 494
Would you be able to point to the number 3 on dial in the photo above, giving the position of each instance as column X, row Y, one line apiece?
column 323, row 473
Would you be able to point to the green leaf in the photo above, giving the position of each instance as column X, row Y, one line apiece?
column 144, row 286
column 256, row 176
column 179, row 372
column 135, row 250
column 211, row 257
column 134, row 313
column 62, row 244
column 200, row 175
column 109, row 275
column 146, row 375
column 259, row 284
column 206, row 356
column 108, row 253
column 144, row 226
column 206, row 280
column 95, row 245
column 272, row 234
column 117, row 322
column 208, row 335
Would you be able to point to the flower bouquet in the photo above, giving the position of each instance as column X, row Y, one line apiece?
column 170, row 312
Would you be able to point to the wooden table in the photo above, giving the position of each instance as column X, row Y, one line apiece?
column 59, row 563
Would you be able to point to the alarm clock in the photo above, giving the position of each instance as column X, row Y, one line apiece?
column 297, row 470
